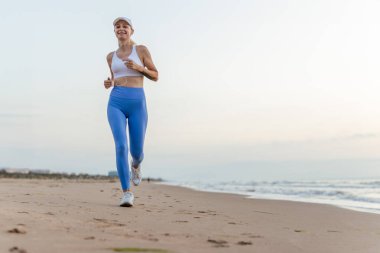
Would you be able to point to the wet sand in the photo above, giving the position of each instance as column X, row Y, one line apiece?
column 40, row 216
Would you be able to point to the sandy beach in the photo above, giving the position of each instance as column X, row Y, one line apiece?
column 40, row 216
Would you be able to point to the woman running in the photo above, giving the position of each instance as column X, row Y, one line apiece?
column 128, row 65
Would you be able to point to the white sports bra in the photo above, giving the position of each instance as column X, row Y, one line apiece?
column 118, row 67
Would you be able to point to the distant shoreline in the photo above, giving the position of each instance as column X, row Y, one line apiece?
column 81, row 176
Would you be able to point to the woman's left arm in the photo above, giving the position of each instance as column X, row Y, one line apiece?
column 150, row 71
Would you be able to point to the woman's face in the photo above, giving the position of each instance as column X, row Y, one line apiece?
column 122, row 30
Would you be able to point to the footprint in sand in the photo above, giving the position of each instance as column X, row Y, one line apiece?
column 244, row 243
column 183, row 211
column 90, row 238
column 104, row 223
column 250, row 235
column 150, row 238
column 17, row 230
column 16, row 249
column 333, row 231
column 262, row 212
column 209, row 212
column 218, row 243
column 255, row 236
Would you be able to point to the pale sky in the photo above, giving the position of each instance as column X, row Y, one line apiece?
column 241, row 82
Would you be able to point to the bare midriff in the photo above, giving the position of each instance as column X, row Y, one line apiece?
column 130, row 81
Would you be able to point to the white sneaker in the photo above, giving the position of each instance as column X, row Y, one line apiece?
column 136, row 174
column 127, row 199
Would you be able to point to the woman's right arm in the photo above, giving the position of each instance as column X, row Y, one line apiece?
column 109, row 82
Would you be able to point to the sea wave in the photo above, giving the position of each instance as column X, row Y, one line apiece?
column 360, row 194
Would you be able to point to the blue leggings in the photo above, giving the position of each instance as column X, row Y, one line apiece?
column 127, row 103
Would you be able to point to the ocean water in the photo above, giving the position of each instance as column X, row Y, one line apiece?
column 356, row 194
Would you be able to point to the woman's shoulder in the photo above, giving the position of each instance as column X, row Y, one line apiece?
column 109, row 56
column 141, row 48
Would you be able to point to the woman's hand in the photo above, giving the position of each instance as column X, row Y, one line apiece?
column 108, row 83
column 132, row 65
